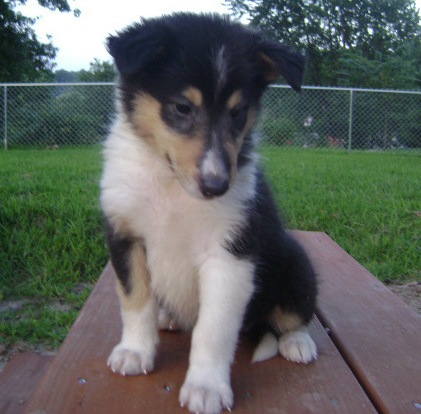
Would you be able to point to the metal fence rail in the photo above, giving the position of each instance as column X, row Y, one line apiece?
column 51, row 115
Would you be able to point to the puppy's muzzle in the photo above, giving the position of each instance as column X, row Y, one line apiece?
column 214, row 185
column 214, row 177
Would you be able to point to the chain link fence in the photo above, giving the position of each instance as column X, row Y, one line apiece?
column 54, row 115
column 342, row 118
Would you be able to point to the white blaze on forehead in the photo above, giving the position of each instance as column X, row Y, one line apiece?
column 221, row 68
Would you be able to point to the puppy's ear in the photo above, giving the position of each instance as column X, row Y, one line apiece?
column 136, row 48
column 276, row 60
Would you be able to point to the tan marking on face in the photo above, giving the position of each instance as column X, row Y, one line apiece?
column 251, row 120
column 193, row 95
column 184, row 152
column 147, row 119
column 233, row 148
column 234, row 100
column 187, row 153
column 139, row 281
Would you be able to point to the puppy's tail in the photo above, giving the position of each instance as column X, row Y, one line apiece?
column 267, row 348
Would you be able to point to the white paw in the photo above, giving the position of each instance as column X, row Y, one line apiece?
column 267, row 348
column 297, row 346
column 206, row 398
column 126, row 361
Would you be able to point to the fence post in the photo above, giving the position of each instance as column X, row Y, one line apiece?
column 5, row 116
column 351, row 113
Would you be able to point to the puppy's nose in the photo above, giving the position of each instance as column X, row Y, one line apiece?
column 214, row 185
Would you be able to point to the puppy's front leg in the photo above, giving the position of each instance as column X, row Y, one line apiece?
column 136, row 351
column 226, row 285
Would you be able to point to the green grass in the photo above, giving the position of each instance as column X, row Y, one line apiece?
column 51, row 238
column 52, row 245
column 369, row 203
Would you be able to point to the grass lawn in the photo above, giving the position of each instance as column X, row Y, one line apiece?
column 369, row 203
column 52, row 247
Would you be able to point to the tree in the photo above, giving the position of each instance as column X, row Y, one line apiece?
column 23, row 57
column 98, row 72
column 65, row 76
column 326, row 30
column 395, row 72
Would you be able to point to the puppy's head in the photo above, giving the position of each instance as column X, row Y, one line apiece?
column 190, row 86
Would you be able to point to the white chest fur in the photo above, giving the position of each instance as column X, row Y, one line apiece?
column 141, row 197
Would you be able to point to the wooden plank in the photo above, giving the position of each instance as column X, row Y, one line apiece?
column 80, row 382
column 19, row 379
column 377, row 333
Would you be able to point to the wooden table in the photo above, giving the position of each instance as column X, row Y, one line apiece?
column 369, row 361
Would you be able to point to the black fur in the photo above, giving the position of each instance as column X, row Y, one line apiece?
column 284, row 274
column 163, row 56
column 120, row 248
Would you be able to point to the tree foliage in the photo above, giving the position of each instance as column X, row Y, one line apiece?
column 99, row 71
column 65, row 76
column 23, row 58
column 398, row 71
column 58, row 114
column 335, row 31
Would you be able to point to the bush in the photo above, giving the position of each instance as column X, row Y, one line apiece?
column 279, row 130
column 64, row 116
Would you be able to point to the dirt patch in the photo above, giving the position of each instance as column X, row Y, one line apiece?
column 7, row 351
column 10, row 306
column 410, row 293
column 81, row 288
column 13, row 305
column 60, row 306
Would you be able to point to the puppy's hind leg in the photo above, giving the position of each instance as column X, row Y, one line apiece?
column 295, row 343
column 296, row 304
column 136, row 351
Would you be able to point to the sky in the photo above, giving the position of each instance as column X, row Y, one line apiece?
column 81, row 39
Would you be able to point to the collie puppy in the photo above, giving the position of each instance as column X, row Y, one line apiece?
column 193, row 231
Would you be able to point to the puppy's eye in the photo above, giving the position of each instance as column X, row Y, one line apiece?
column 183, row 109
column 235, row 113
column 238, row 112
